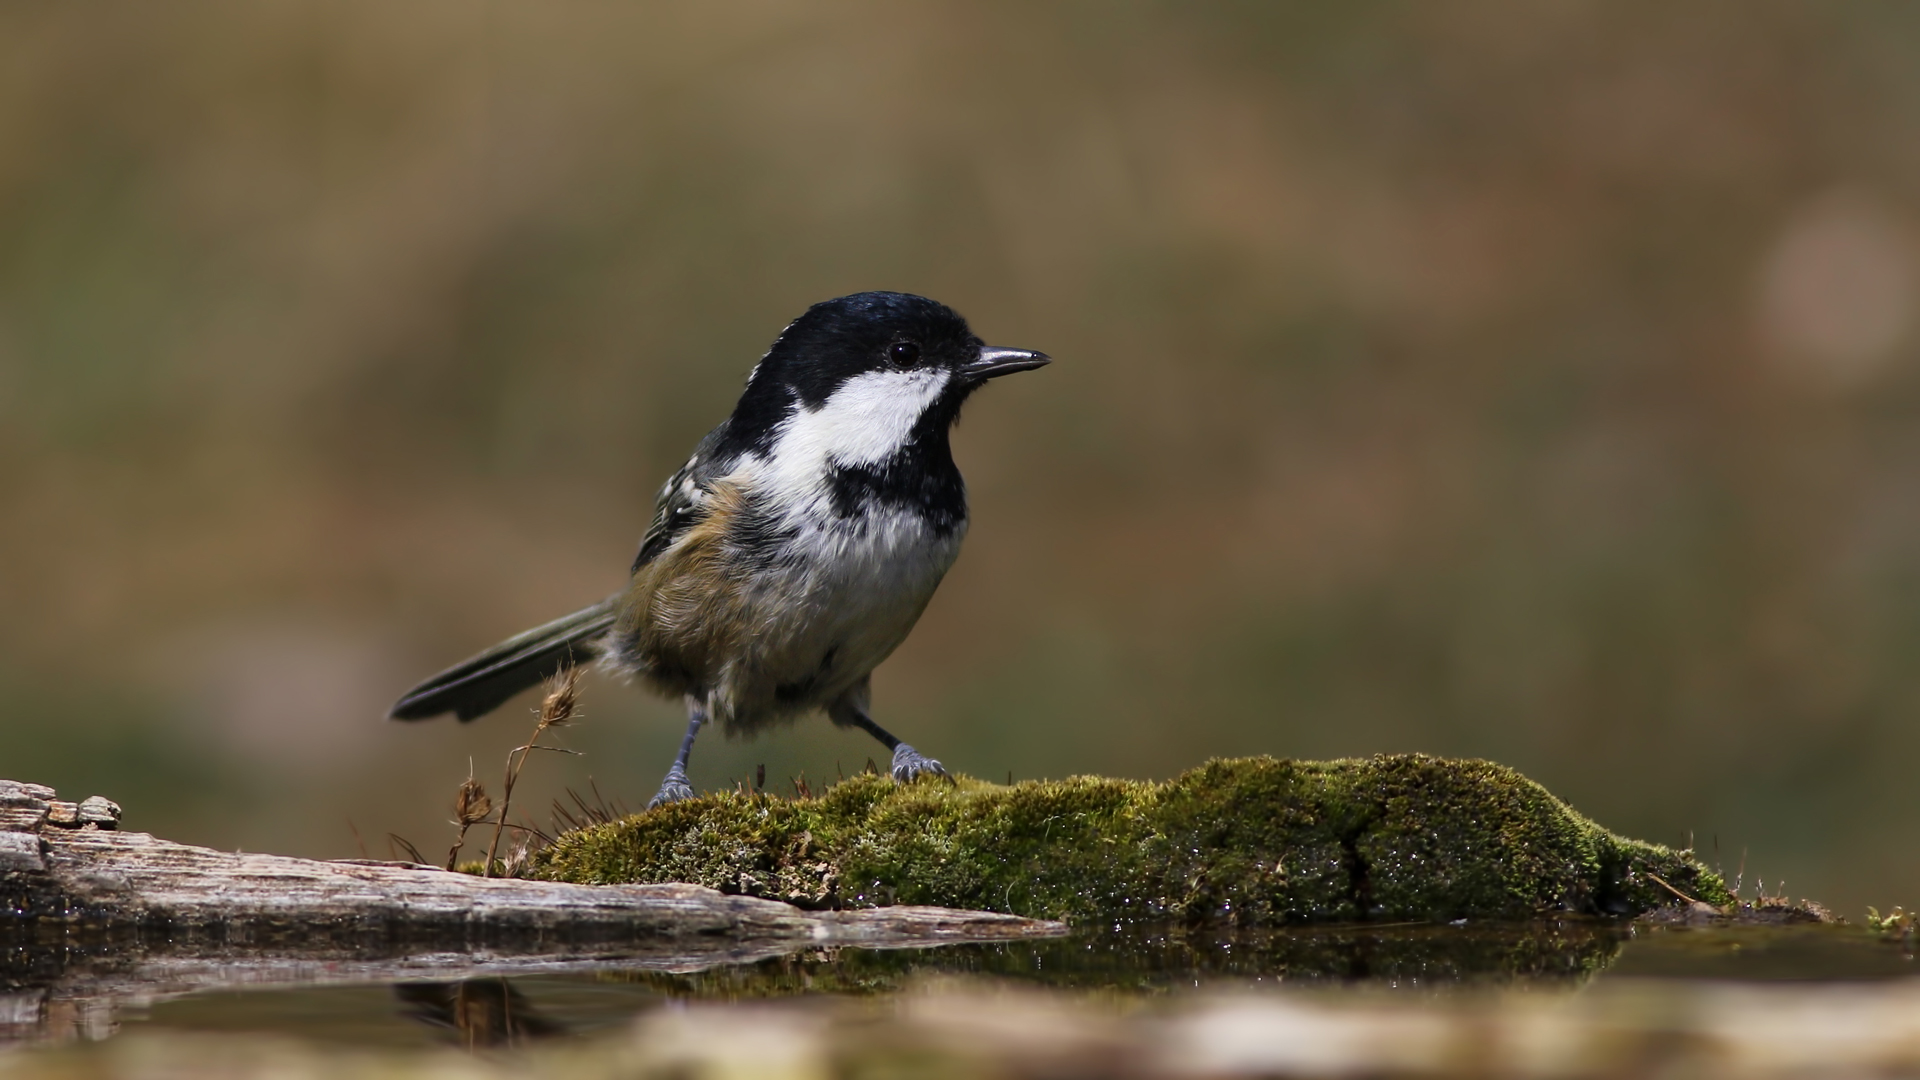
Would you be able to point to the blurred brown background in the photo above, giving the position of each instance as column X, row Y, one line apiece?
column 1535, row 381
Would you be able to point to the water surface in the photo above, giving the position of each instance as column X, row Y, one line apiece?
column 1551, row 956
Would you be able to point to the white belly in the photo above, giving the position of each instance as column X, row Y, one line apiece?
column 825, row 622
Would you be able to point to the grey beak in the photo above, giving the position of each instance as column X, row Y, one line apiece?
column 996, row 362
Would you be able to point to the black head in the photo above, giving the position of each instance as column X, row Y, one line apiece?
column 850, row 336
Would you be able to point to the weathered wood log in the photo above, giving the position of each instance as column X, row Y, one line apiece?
column 84, row 876
column 91, row 916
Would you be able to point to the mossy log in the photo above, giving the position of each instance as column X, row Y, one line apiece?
column 1257, row 841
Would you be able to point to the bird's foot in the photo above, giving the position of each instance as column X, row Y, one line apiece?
column 673, row 789
column 910, row 765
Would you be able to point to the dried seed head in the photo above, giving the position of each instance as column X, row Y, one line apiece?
column 471, row 805
column 562, row 697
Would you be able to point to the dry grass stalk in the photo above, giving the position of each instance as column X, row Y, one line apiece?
column 1662, row 882
column 413, row 853
column 563, row 698
column 582, row 813
column 470, row 807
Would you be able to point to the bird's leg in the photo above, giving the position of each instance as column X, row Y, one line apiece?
column 675, row 787
column 850, row 710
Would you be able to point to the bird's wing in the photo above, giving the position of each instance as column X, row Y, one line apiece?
column 684, row 496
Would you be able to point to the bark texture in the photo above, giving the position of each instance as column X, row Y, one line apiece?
column 90, row 915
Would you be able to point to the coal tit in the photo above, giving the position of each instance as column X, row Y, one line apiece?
column 795, row 549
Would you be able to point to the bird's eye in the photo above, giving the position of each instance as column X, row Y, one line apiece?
column 903, row 353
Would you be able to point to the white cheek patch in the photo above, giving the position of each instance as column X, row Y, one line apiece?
column 866, row 421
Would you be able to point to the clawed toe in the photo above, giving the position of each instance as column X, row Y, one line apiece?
column 672, row 790
column 910, row 765
column 670, row 793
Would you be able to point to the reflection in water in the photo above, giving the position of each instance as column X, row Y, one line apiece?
column 58, row 988
column 1422, row 956
column 494, row 1012
column 49, row 993
column 476, row 1013
column 491, row 1012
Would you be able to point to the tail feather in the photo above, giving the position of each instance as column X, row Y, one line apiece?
column 481, row 684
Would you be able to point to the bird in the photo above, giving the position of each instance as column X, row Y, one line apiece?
column 794, row 550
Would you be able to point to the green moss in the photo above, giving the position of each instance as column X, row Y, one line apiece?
column 1255, row 840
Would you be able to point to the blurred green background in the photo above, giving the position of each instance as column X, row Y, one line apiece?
column 1534, row 381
